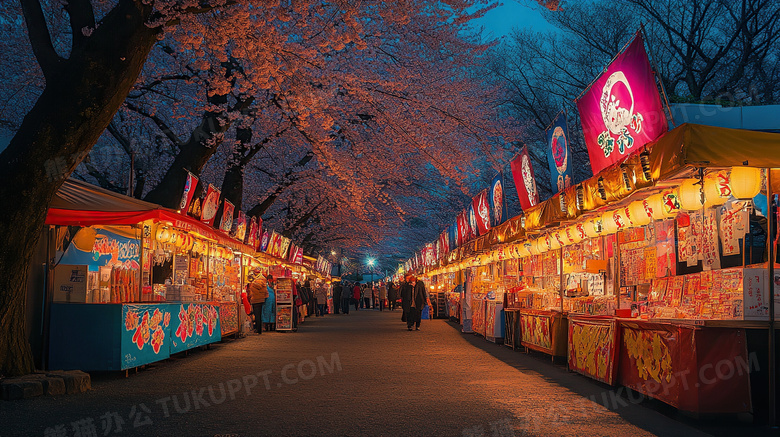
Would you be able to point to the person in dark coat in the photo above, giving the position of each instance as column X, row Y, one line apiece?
column 337, row 297
column 414, row 298
column 392, row 295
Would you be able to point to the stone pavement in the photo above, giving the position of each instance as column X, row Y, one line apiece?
column 361, row 374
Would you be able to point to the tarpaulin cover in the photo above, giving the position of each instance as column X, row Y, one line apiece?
column 81, row 204
column 702, row 370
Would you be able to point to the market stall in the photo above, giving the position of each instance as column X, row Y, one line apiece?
column 133, row 283
column 668, row 248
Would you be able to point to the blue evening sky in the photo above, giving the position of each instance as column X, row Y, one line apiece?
column 513, row 13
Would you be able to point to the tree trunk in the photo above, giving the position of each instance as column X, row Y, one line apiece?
column 79, row 101
column 193, row 156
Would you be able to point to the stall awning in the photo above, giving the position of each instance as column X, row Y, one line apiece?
column 684, row 148
column 78, row 203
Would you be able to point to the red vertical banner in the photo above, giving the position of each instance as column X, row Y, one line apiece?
column 227, row 216
column 621, row 111
column 189, row 191
column 210, row 206
column 525, row 182
column 462, row 228
column 482, row 211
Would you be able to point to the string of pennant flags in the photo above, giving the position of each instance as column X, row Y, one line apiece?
column 620, row 112
column 248, row 231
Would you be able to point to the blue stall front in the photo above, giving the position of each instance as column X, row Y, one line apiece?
column 106, row 337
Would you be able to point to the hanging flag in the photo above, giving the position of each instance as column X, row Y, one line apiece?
column 210, row 206
column 453, row 236
column 227, row 216
column 189, row 191
column 284, row 245
column 299, row 256
column 252, row 235
column 481, row 210
column 498, row 207
column 292, row 252
column 259, row 235
column 276, row 244
column 621, row 111
column 523, row 175
column 473, row 229
column 558, row 154
column 463, row 227
column 240, row 226
column 264, row 241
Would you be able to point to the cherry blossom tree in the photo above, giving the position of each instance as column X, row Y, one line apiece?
column 84, row 58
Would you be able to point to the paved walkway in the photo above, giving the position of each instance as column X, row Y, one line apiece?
column 360, row 374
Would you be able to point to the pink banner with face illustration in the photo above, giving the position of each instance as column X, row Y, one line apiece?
column 482, row 211
column 525, row 183
column 621, row 111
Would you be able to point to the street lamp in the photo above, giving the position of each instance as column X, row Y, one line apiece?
column 371, row 262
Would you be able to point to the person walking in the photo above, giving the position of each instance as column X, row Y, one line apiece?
column 392, row 295
column 346, row 297
column 356, row 295
column 258, row 293
column 269, row 307
column 382, row 296
column 321, row 296
column 368, row 290
column 416, row 299
column 337, row 290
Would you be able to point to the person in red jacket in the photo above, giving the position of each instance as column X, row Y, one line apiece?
column 356, row 295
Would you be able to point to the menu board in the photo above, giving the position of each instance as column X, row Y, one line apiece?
column 284, row 291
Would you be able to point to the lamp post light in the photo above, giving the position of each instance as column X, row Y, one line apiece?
column 371, row 262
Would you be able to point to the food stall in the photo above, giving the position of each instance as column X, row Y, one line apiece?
column 654, row 272
column 665, row 266
column 132, row 283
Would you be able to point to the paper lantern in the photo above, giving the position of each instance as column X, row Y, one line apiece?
column 560, row 236
column 654, row 206
column 553, row 241
column 608, row 225
column 523, row 250
column 579, row 231
column 716, row 188
column 593, row 227
column 690, row 195
column 541, row 246
column 670, row 204
column 531, row 247
column 745, row 182
column 621, row 221
column 162, row 235
column 174, row 237
column 626, row 215
column 573, row 235
column 638, row 213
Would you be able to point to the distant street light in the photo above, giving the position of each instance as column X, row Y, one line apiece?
column 370, row 263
